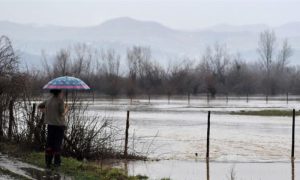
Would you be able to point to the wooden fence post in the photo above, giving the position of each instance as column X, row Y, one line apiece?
column 126, row 136
column 293, row 134
column 208, row 133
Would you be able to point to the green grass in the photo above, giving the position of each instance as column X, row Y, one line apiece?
column 70, row 166
column 79, row 170
column 272, row 112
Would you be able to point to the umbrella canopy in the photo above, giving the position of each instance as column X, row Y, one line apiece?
column 67, row 83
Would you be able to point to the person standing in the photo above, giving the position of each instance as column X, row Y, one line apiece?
column 55, row 110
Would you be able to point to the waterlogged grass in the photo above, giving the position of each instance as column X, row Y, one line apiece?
column 70, row 166
column 79, row 170
column 272, row 112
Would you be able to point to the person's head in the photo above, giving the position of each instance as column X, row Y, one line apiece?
column 56, row 92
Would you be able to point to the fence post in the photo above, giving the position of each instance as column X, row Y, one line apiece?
column 293, row 134
column 287, row 98
column 126, row 136
column 247, row 97
column 208, row 133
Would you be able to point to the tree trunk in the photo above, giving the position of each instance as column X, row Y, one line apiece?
column 1, row 123
column 11, row 119
column 31, row 123
column 207, row 98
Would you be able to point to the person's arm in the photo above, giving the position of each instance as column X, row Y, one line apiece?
column 61, row 107
column 42, row 106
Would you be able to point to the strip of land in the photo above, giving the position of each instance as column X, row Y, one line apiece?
column 70, row 167
column 272, row 112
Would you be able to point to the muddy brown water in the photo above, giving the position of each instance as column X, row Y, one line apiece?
column 252, row 147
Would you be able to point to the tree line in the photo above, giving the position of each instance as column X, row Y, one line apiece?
column 217, row 71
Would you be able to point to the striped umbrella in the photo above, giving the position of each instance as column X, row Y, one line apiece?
column 66, row 83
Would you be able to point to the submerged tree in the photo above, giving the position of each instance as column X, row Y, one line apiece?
column 266, row 50
column 111, row 70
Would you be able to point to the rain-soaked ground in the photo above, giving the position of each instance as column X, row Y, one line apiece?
column 253, row 147
column 18, row 169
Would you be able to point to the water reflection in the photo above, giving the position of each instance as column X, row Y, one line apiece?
column 293, row 168
column 207, row 169
column 126, row 167
column 47, row 174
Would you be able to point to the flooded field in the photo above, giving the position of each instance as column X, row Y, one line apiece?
column 175, row 133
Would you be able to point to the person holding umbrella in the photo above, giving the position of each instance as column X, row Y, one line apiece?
column 55, row 110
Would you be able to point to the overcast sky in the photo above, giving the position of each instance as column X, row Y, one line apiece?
column 184, row 14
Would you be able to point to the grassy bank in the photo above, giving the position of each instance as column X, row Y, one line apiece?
column 80, row 170
column 70, row 166
column 272, row 112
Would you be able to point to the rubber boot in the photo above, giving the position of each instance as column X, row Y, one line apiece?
column 57, row 160
column 48, row 158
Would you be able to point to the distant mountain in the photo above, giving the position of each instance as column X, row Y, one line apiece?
column 244, row 28
column 121, row 33
column 289, row 29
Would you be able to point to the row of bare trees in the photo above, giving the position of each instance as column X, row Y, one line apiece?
column 20, row 121
column 217, row 72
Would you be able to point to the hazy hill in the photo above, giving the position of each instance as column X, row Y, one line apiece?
column 122, row 33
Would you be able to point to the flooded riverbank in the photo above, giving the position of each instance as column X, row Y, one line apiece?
column 176, row 132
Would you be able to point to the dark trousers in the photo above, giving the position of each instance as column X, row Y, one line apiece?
column 55, row 135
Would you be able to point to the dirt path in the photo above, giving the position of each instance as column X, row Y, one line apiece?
column 14, row 169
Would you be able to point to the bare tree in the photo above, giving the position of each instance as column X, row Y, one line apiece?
column 284, row 54
column 62, row 63
column 213, row 68
column 111, row 70
column 8, row 68
column 135, row 56
column 266, row 50
column 282, row 73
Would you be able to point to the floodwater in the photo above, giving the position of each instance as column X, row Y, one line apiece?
column 27, row 171
column 249, row 147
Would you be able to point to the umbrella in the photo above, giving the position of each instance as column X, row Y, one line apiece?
column 67, row 83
